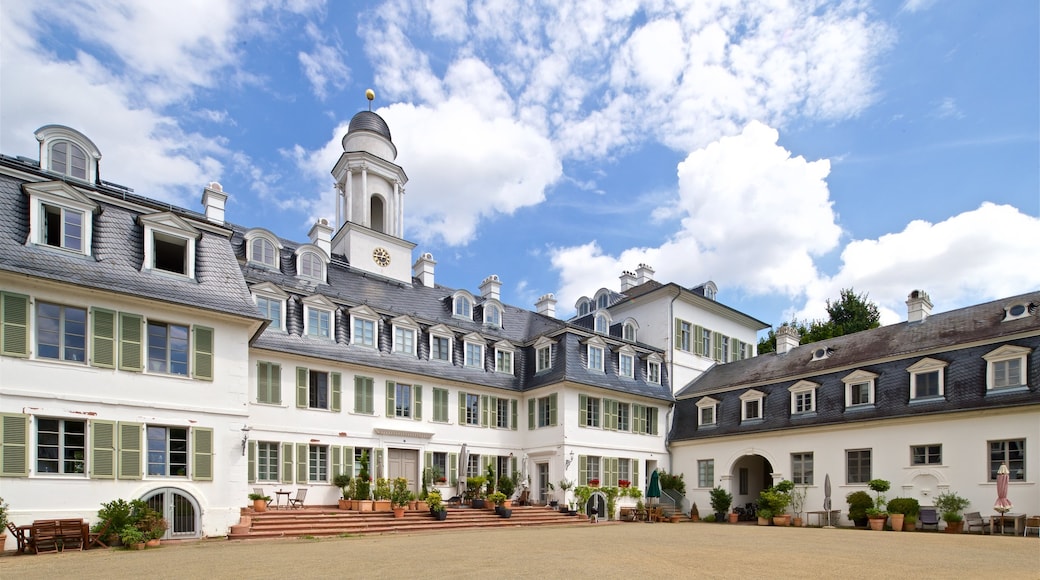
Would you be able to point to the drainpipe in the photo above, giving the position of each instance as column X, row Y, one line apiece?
column 671, row 372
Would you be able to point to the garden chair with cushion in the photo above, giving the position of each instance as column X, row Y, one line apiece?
column 928, row 517
column 974, row 520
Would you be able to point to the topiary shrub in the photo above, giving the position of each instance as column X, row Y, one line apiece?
column 859, row 502
column 904, row 505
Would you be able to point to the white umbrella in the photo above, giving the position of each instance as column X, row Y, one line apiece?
column 463, row 465
column 827, row 497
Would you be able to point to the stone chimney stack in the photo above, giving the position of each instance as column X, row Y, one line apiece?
column 491, row 288
column 213, row 199
column 546, row 305
column 918, row 306
column 786, row 339
column 321, row 236
column 628, row 280
column 644, row 274
column 423, row 269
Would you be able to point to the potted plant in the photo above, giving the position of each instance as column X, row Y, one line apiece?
column 775, row 502
column 3, row 523
column 399, row 496
column 436, row 503
column 640, row 509
column 507, row 485
column 564, row 485
column 475, row 490
column 612, row 494
column 499, row 500
column 765, row 516
column 798, row 503
column 115, row 515
column 877, row 514
column 594, row 482
column 132, row 537
column 363, row 486
column 153, row 526
column 382, row 495
column 720, row 502
column 950, row 505
column 859, row 502
column 902, row 509
column 343, row 481
column 783, row 489
column 551, row 492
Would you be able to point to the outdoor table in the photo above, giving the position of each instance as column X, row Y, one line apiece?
column 278, row 498
column 1018, row 519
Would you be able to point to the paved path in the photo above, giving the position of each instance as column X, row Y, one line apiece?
column 630, row 551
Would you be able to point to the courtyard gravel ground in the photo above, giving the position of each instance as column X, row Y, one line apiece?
column 605, row 550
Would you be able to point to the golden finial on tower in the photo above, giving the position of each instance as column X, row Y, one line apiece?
column 370, row 95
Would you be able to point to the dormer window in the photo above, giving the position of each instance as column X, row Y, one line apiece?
column 653, row 369
column 1018, row 310
column 751, row 407
column 595, row 349
column 441, row 343
column 270, row 300
column 364, row 327
column 69, row 159
column 627, row 362
column 60, row 216
column 602, row 301
column 707, row 411
column 803, row 397
column 318, row 317
column 859, row 389
column 504, row 357
column 821, row 353
column 462, row 305
column 262, row 248
column 473, row 352
column 68, row 152
column 310, row 264
column 584, row 306
column 169, row 244
column 927, row 379
column 492, row 314
column 1005, row 367
column 602, row 323
column 542, row 355
column 405, row 331
column 628, row 330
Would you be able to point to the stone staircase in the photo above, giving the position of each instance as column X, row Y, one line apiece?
column 329, row 521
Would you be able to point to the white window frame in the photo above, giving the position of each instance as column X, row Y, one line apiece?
column 602, row 299
column 317, row 463
column 311, row 402
column 442, row 332
column 364, row 314
column 857, row 378
column 543, row 355
column 63, row 332
column 66, row 198
column 1006, row 354
column 630, row 330
column 50, row 135
column 601, row 322
column 320, row 259
column 167, row 358
column 273, row 294
column 705, row 473
column 319, row 305
column 1018, row 310
column 629, row 354
column 653, row 369
column 803, row 466
column 708, row 403
column 595, row 356
column 492, row 313
column 504, row 354
column 926, row 454
column 169, row 228
column 800, row 389
column 258, row 235
column 405, row 336
column 923, row 367
column 583, row 306
column 462, row 305
column 750, row 397
column 473, row 351
column 62, row 447
column 167, row 453
column 268, row 455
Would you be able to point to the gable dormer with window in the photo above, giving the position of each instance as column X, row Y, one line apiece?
column 60, row 216
column 707, row 412
column 462, row 305
column 169, row 244
column 859, row 390
column 752, row 406
column 803, row 398
column 1006, row 368
column 405, row 337
column 68, row 152
column 364, row 327
column 311, row 263
column 927, row 380
column 473, row 351
column 504, row 354
column 492, row 311
column 627, row 362
column 653, row 368
column 262, row 248
column 442, row 343
column 595, row 354
column 270, row 300
column 543, row 351
column 318, row 317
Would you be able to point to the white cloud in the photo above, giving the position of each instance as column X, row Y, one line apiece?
column 916, row 5
column 323, row 65
column 947, row 109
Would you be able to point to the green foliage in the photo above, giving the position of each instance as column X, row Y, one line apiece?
column 342, row 481
column 120, row 513
column 765, row 513
column 256, row 496
column 382, row 491
column 475, row 487
column 710, row 518
column 879, row 486
column 507, row 485
column 950, row 505
column 363, row 482
column 720, row 500
column 612, row 494
column 401, row 495
column 633, row 492
column 859, row 502
column 492, row 484
column 582, row 493
column 498, row 498
column 675, row 482
column 774, row 500
column 904, row 505
column 152, row 525
column 850, row 313
column 435, row 501
column 130, row 535
column 4, row 510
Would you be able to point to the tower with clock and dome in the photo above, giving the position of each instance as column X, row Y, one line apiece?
column 370, row 200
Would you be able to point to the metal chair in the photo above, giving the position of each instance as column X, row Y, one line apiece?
column 1032, row 523
column 297, row 502
column 928, row 517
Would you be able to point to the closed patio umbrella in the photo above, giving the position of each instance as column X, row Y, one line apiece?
column 463, row 465
column 827, row 497
column 653, row 490
column 1003, row 504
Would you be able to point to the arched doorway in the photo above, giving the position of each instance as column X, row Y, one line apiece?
column 179, row 509
column 378, row 222
column 751, row 474
column 597, row 501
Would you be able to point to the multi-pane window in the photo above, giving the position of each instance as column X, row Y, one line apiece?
column 708, row 415
column 167, row 451
column 504, row 361
column 318, row 389
column 705, row 472
column 463, row 307
column 440, row 405
column 404, row 340
column 624, row 470
column 725, row 349
column 802, row 468
column 622, row 417
column 402, row 400
column 268, row 382
column 311, row 266
column 926, row 384
column 545, row 412
column 319, row 322
column 318, row 463
column 859, row 394
column 502, row 413
column 62, row 227
column 857, row 466
column 926, row 455
column 271, row 309
column 644, row 420
column 602, row 300
column 364, row 332
column 167, row 348
column 653, row 372
column 926, row 379
column 1006, row 367
column 61, row 332
column 262, row 251
column 591, row 470
column 364, row 393
column 543, row 358
column 595, row 358
column 440, row 348
column 601, row 323
column 1011, row 452
column 626, row 365
column 473, row 466
column 439, row 467
column 685, row 336
column 753, row 409
column 267, row 461
column 60, row 446
column 592, row 412
column 492, row 315
column 706, row 341
column 69, row 159
column 474, row 355
column 628, row 331
column 803, row 401
column 472, row 409
column 1007, row 373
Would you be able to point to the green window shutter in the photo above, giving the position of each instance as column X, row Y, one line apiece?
column 583, row 470
column 652, row 417
column 337, row 462
column 103, row 338
column 417, row 389
column 14, row 324
column 287, row 462
column 359, row 395
column 734, row 349
column 716, row 341
column 276, row 383
column 492, row 411
column 203, row 353
column 336, row 388
column 635, row 473
column 483, row 410
column 14, row 450
column 263, row 382
column 638, row 419
column 610, row 414
column 531, row 404
column 130, row 342
column 301, row 387
column 698, row 344
column 552, row 409
column 390, row 399
column 513, row 404
column 301, row 463
column 348, row 461
column 512, row 467
column 251, row 464
column 678, row 334
column 129, row 450
column 102, row 449
column 202, row 456
column 440, row 405
column 612, row 471
column 583, row 410
column 453, row 468
column 427, row 464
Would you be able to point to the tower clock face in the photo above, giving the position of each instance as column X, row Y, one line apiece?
column 381, row 257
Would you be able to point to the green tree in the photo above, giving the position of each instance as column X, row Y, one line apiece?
column 850, row 313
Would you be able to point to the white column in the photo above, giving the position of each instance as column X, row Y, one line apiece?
column 367, row 206
column 397, row 205
column 339, row 206
column 349, row 195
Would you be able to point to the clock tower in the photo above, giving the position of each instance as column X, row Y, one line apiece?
column 370, row 200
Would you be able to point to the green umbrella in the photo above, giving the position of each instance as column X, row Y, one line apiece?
column 654, row 489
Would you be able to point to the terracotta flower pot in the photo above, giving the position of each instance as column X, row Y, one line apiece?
column 734, row 517
column 877, row 524
column 897, row 522
column 153, row 543
column 398, row 511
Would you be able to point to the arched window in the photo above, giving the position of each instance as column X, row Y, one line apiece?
column 463, row 307
column 629, row 331
column 492, row 315
column 584, row 307
column 601, row 302
column 310, row 266
column 601, row 323
column 262, row 251
column 378, row 217
column 69, row 159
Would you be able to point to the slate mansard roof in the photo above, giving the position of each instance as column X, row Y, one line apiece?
column 348, row 288
column 958, row 338
column 117, row 252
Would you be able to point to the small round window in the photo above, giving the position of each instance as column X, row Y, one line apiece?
column 1017, row 310
column 820, row 353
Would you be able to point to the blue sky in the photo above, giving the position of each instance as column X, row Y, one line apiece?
column 783, row 149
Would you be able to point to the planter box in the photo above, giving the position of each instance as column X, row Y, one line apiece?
column 344, row 504
column 381, row 505
column 363, row 505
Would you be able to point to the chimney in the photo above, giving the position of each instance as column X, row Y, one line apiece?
column 423, row 269
column 491, row 287
column 918, row 306
column 546, row 305
column 213, row 199
column 644, row 274
column 786, row 339
column 321, row 236
column 628, row 280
